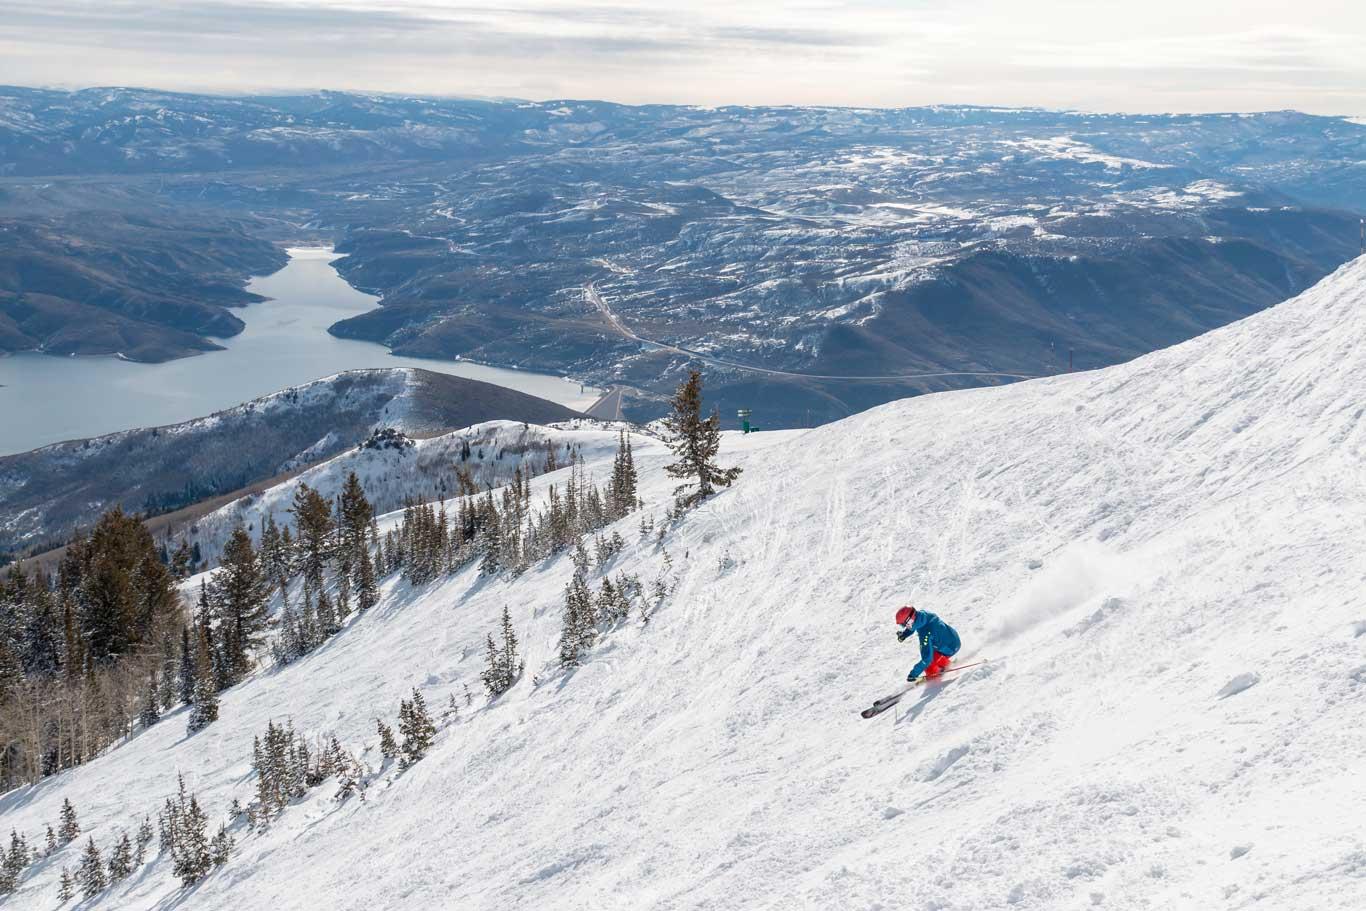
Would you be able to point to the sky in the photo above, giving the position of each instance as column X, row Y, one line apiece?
column 1156, row 55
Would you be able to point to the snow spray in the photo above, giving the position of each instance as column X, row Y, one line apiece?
column 1069, row 579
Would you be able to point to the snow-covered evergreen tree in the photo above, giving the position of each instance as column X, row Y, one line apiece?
column 185, row 673
column 367, row 590
column 578, row 627
column 91, row 873
column 415, row 724
column 492, row 675
column 512, row 662
column 189, row 843
column 205, row 698
column 150, row 712
column 121, row 859
column 695, row 442
column 388, row 747
column 66, row 891
column 70, row 828
column 220, row 849
column 315, row 528
column 144, row 839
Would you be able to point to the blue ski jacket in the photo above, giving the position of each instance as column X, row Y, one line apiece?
column 934, row 636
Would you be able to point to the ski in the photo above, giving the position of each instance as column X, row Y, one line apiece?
column 881, row 705
column 886, row 702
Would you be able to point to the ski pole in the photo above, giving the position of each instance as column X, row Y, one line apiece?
column 962, row 667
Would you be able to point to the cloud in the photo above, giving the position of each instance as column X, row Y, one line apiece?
column 1164, row 54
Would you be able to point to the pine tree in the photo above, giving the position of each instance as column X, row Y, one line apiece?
column 326, row 618
column 354, row 515
column 492, row 543
column 621, row 490
column 121, row 859
column 343, row 599
column 415, row 724
column 609, row 603
column 491, row 675
column 11, row 671
column 185, row 675
column 578, row 626
column 67, row 891
column 151, row 701
column 388, row 747
column 192, row 857
column 166, row 689
column 40, row 645
column 50, row 842
column 91, row 875
column 367, row 591
column 144, row 839
column 284, row 568
column 290, row 644
column 313, row 519
column 13, row 862
column 205, row 711
column 243, row 590
column 70, row 828
column 182, row 561
column 272, row 551
column 512, row 664
column 309, row 635
column 220, row 849
column 695, row 443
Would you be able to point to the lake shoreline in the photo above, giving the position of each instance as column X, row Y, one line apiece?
column 57, row 398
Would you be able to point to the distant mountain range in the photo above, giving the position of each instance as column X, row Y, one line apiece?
column 48, row 493
column 819, row 260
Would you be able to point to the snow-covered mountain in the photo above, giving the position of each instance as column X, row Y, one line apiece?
column 1162, row 561
column 48, row 493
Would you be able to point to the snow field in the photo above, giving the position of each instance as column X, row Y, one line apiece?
column 1162, row 560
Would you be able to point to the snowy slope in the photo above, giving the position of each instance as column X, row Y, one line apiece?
column 1163, row 559
column 424, row 471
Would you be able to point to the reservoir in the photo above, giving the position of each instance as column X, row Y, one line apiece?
column 46, row 399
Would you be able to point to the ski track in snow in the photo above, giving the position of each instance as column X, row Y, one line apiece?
column 1163, row 559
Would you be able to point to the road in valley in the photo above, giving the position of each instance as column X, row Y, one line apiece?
column 596, row 299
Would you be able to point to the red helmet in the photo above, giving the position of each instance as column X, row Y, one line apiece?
column 905, row 615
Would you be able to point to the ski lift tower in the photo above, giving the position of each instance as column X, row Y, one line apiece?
column 743, row 414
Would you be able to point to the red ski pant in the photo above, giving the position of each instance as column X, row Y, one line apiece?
column 937, row 665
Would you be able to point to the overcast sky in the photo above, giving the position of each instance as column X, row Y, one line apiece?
column 1139, row 55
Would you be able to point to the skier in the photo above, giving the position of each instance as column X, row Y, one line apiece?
column 938, row 641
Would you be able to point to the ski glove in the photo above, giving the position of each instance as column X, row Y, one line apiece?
column 903, row 634
column 911, row 678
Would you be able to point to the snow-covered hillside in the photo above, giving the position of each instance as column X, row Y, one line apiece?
column 488, row 452
column 1163, row 561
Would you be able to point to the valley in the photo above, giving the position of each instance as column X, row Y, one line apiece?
column 927, row 248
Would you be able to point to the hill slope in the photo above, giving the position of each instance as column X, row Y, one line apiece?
column 1162, row 559
column 149, row 286
column 46, row 493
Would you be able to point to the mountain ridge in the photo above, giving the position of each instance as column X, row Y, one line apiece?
column 47, row 493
